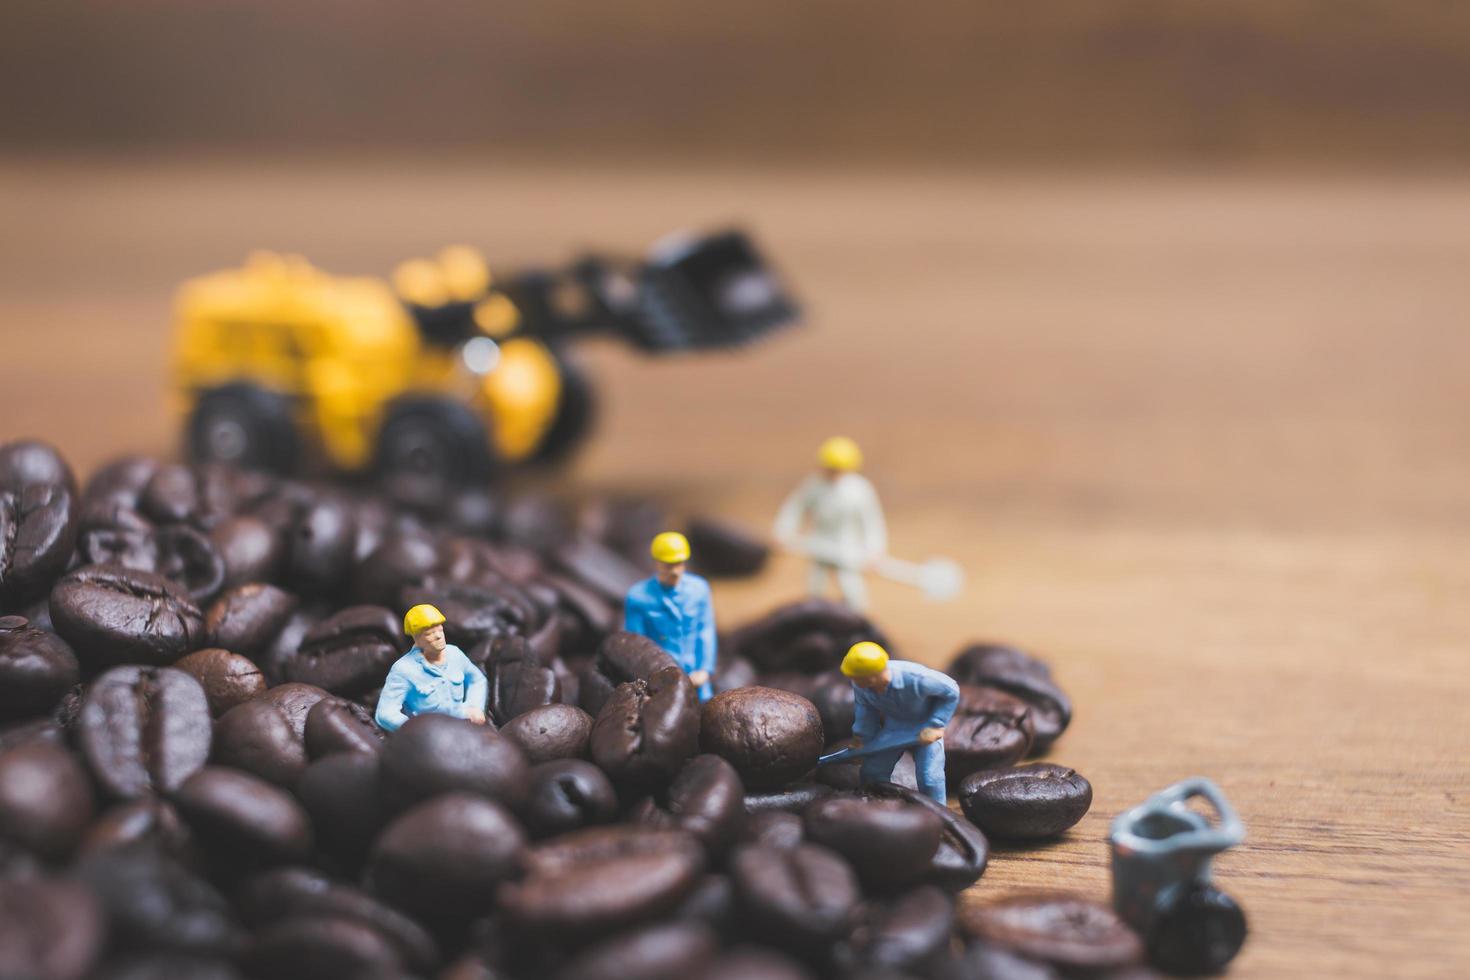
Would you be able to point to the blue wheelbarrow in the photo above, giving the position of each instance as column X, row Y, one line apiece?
column 1161, row 878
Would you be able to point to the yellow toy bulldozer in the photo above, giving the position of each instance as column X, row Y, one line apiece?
column 447, row 372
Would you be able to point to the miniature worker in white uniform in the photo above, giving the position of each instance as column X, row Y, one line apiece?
column 834, row 517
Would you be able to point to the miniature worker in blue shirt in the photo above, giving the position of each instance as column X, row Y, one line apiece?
column 434, row 677
column 905, row 702
column 673, row 609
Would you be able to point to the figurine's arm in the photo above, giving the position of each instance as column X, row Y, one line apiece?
column 390, row 715
column 874, row 528
column 704, row 652
column 865, row 720
column 944, row 697
column 789, row 517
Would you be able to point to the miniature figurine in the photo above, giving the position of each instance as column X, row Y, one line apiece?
column 899, row 706
column 844, row 530
column 673, row 609
column 1161, row 878
column 434, row 677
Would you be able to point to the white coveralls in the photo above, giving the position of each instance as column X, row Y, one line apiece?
column 843, row 524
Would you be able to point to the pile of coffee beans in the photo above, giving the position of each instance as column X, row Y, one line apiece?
column 192, row 784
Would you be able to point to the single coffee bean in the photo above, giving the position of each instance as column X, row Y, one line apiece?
column 177, row 494
column 434, row 754
column 665, row 951
column 544, row 644
column 803, row 636
column 119, row 484
column 712, row 902
column 723, row 549
column 152, row 902
column 551, row 731
column 755, row 963
column 592, row 882
column 27, row 461
column 443, row 858
column 148, row 824
column 45, row 799
column 343, row 793
column 313, row 946
column 252, row 550
column 476, row 612
column 243, row 819
column 144, row 730
column 600, row 567
column 319, row 546
column 850, row 826
column 336, row 725
column 565, row 795
column 800, row 898
column 771, row 737
column 1022, row 676
column 228, row 679
column 793, row 798
column 732, row 672
column 247, row 618
column 705, row 799
column 167, row 966
column 1030, row 802
column 348, row 652
column 620, row 658
column 403, row 556
column 49, row 930
column 773, row 828
column 647, row 730
column 963, row 850
column 1070, row 933
column 36, row 669
column 258, row 738
column 296, row 700
column 990, row 730
column 115, row 615
column 38, row 527
column 909, row 934
column 517, row 682
column 189, row 559
column 118, row 536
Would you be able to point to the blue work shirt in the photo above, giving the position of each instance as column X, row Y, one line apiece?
column 681, row 620
column 417, row 687
column 917, row 697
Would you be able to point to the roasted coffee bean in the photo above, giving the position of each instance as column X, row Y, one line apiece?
column 319, row 546
column 517, row 682
column 705, row 799
column 248, row 618
column 257, row 737
column 144, row 730
column 544, row 644
column 45, row 799
column 434, row 754
column 830, row 692
column 168, row 966
column 252, row 550
column 801, row 898
column 754, row 963
column 647, row 730
column 36, row 669
column 889, row 843
column 990, row 729
column 27, row 461
column 810, row 636
column 313, row 946
column 667, row 951
column 343, row 793
column 118, row 485
column 349, row 652
column 792, row 798
column 148, row 823
column 600, row 567
column 590, row 616
column 120, row 536
column 152, row 902
column 228, row 679
column 335, row 725
column 49, row 930
column 189, row 559
column 243, row 819
column 722, row 549
column 773, row 828
column 771, row 737
column 1071, row 933
column 296, row 700
column 198, row 495
column 1022, row 676
column 565, row 795
column 113, row 615
column 38, row 527
column 44, row 730
column 402, row 557
column 476, row 613
column 621, row 657
column 443, row 858
column 624, row 524
column 1030, row 802
column 963, row 850
column 551, row 731
column 908, row 934
column 711, row 901
column 591, row 882
column 731, row 672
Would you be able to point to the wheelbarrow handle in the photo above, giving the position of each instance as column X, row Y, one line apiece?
column 1199, row 786
column 1228, row 831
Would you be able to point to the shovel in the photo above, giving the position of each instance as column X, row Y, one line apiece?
column 938, row 578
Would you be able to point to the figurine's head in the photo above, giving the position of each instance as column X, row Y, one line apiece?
column 839, row 455
column 425, row 624
column 866, row 665
column 671, row 550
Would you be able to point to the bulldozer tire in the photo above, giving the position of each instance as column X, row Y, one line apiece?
column 434, row 440
column 243, row 425
column 1198, row 934
column 575, row 413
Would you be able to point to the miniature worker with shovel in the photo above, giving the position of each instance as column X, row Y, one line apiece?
column 834, row 519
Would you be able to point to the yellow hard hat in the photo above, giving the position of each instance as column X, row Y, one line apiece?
column 420, row 618
column 671, row 547
column 864, row 659
column 840, row 453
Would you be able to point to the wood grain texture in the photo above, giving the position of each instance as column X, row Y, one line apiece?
column 1200, row 442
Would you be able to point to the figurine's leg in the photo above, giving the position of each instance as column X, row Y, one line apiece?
column 854, row 589
column 929, row 771
column 816, row 578
column 878, row 767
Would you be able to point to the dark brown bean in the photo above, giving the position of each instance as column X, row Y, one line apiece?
column 252, row 550
column 114, row 615
column 990, row 729
column 335, row 725
column 319, row 546
column 38, row 527
column 1066, row 931
column 434, row 754
column 909, row 934
column 316, row 945
column 1032, row 802
column 247, row 618
column 647, row 730
column 27, row 461
column 566, row 795
column 963, row 850
column 349, row 652
column 228, row 679
column 152, row 902
column 152, row 823
column 889, row 843
column 771, row 737
column 801, row 898
column 258, row 737
column 343, row 794
column 49, row 930
column 621, row 657
column 296, row 700
column 144, row 730
column 1023, row 676
column 551, row 731
column 243, row 819
column 45, row 799
column 723, row 549
column 666, row 951
column 36, row 669
column 706, row 799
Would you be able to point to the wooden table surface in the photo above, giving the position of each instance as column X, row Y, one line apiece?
column 1200, row 442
